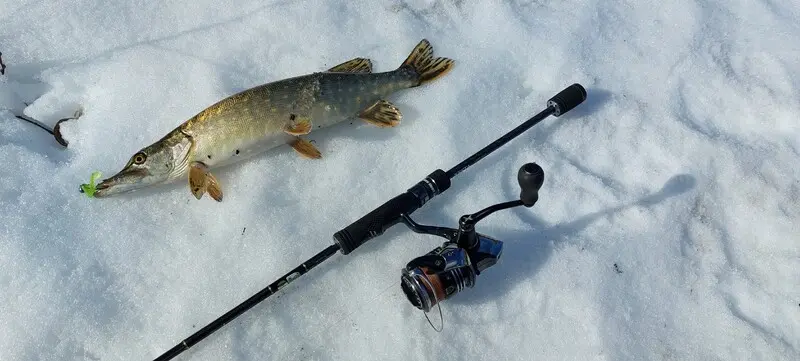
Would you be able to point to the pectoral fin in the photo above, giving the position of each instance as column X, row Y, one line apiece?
column 305, row 148
column 202, row 181
column 357, row 65
column 382, row 114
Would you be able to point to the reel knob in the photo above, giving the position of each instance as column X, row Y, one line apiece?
column 530, row 178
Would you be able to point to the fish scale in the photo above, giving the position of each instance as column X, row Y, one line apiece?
column 271, row 115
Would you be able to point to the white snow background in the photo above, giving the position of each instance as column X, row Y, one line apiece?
column 681, row 168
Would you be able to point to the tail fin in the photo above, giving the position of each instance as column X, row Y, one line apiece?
column 421, row 60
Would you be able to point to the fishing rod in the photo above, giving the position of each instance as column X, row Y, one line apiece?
column 442, row 272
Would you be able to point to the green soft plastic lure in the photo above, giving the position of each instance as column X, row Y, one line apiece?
column 89, row 189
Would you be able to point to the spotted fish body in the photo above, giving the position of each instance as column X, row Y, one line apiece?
column 254, row 120
column 274, row 114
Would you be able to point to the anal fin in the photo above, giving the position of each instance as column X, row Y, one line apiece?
column 305, row 148
column 382, row 114
column 357, row 65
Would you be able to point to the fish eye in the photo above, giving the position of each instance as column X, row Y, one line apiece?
column 139, row 158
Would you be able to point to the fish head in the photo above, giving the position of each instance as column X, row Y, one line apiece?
column 157, row 163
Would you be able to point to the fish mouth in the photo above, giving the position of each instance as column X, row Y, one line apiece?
column 125, row 181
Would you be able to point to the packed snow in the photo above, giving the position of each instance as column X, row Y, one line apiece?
column 668, row 226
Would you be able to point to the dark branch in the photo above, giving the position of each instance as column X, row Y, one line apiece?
column 34, row 122
column 55, row 131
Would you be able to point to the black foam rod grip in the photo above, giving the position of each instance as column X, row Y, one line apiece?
column 390, row 213
column 375, row 223
column 569, row 98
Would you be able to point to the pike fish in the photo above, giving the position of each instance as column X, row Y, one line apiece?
column 271, row 115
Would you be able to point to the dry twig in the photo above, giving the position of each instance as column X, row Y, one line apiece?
column 56, row 130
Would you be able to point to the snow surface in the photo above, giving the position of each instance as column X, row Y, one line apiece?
column 667, row 228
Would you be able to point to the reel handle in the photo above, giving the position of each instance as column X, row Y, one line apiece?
column 530, row 178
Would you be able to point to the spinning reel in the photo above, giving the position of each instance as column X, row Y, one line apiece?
column 455, row 265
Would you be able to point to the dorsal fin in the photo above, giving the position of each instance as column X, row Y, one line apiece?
column 357, row 65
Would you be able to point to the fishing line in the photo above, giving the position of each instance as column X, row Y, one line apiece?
column 441, row 317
